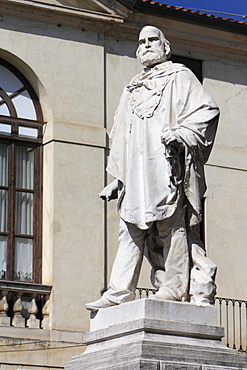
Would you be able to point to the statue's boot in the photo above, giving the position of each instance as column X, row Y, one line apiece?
column 164, row 293
column 202, row 275
column 100, row 303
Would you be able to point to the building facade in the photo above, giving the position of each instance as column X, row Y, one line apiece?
column 63, row 65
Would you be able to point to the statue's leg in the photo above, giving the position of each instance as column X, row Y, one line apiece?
column 127, row 264
column 202, row 275
column 126, row 268
column 175, row 278
column 154, row 253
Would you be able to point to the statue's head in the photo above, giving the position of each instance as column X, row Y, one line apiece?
column 153, row 47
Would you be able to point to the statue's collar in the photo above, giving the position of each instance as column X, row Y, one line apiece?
column 157, row 67
column 150, row 75
column 161, row 70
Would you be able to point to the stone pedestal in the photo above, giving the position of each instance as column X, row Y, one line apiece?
column 154, row 334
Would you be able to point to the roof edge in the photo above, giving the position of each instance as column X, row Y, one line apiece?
column 186, row 15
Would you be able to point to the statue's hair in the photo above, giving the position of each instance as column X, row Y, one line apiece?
column 166, row 43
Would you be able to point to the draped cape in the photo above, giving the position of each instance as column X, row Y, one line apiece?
column 165, row 97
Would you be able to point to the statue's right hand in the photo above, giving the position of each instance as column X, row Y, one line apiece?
column 110, row 191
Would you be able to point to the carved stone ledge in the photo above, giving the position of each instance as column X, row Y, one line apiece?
column 4, row 319
column 25, row 287
column 33, row 322
column 46, row 312
column 18, row 293
column 18, row 320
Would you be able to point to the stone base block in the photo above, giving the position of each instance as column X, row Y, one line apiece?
column 4, row 320
column 33, row 323
column 18, row 321
column 45, row 324
column 156, row 335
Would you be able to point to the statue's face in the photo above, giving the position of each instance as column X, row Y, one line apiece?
column 151, row 48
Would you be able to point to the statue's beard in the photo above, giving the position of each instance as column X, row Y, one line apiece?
column 152, row 56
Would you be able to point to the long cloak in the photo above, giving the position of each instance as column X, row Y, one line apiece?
column 167, row 96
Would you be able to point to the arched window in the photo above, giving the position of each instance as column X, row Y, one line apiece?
column 20, row 177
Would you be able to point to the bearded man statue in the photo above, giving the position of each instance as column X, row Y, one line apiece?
column 162, row 136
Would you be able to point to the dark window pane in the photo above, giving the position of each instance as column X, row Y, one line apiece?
column 30, row 132
column 193, row 64
column 5, row 128
column 3, row 257
column 24, row 213
column 3, row 165
column 23, row 259
column 24, row 167
column 3, row 210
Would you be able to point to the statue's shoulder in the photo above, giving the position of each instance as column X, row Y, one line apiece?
column 181, row 73
column 175, row 68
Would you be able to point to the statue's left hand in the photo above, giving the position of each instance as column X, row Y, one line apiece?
column 169, row 136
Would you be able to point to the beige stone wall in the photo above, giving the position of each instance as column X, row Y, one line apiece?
column 226, row 201
column 70, row 89
column 38, row 349
column 66, row 68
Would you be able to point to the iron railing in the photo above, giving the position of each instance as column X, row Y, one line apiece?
column 231, row 314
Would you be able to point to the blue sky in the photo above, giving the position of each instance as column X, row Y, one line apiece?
column 227, row 6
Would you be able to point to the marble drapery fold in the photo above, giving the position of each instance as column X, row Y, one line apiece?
column 167, row 96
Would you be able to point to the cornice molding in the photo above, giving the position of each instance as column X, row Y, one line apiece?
column 114, row 7
column 198, row 38
column 55, row 12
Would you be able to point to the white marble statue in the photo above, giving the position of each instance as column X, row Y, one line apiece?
column 162, row 136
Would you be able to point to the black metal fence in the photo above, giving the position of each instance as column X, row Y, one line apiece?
column 231, row 314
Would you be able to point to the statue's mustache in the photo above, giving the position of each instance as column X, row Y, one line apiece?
column 151, row 51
